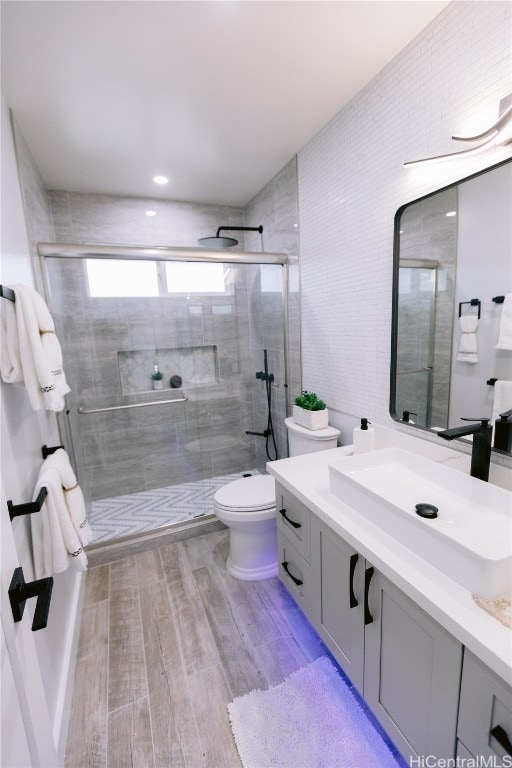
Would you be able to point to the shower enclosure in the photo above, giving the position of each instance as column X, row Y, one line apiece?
column 148, row 457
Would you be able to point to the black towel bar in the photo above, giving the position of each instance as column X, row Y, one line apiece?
column 473, row 302
column 48, row 451
column 498, row 299
column 20, row 591
column 15, row 510
column 7, row 293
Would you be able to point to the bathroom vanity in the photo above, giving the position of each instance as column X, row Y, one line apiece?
column 434, row 666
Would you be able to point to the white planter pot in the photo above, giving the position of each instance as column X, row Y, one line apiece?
column 311, row 419
column 158, row 384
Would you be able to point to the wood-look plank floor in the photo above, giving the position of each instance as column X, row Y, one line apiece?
column 168, row 639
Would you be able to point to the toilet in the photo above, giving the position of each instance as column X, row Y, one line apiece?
column 248, row 507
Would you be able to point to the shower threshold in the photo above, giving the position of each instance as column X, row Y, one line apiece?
column 157, row 510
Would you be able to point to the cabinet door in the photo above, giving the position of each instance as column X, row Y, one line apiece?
column 485, row 714
column 295, row 574
column 412, row 673
column 338, row 572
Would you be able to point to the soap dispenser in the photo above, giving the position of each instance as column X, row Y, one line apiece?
column 364, row 438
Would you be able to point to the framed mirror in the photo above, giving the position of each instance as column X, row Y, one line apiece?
column 451, row 273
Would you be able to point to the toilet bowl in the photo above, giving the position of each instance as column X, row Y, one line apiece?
column 248, row 507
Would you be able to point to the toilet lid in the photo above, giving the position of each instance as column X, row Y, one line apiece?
column 255, row 492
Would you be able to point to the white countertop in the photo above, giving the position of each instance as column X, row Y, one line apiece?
column 307, row 477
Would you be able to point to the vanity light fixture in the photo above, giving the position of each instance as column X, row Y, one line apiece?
column 150, row 213
column 160, row 179
column 498, row 134
column 451, row 213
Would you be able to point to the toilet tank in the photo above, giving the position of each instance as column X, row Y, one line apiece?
column 302, row 440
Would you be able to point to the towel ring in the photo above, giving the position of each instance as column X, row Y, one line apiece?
column 473, row 302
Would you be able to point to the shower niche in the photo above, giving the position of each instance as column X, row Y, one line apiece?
column 194, row 365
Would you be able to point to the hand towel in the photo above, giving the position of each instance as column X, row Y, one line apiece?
column 467, row 347
column 31, row 352
column 505, row 335
column 60, row 530
column 502, row 398
column 10, row 361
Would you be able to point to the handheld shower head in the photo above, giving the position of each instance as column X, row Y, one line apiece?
column 218, row 242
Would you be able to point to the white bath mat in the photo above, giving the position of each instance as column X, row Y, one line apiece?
column 311, row 720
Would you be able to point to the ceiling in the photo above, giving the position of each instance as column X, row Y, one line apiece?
column 217, row 96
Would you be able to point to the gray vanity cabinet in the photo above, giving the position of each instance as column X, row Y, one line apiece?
column 485, row 714
column 403, row 662
column 338, row 575
column 411, row 673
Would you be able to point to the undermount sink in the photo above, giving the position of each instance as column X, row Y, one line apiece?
column 470, row 540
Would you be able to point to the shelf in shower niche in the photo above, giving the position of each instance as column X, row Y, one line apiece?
column 194, row 364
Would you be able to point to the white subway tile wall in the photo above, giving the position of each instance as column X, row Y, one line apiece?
column 449, row 80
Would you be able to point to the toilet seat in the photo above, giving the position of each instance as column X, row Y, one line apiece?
column 249, row 494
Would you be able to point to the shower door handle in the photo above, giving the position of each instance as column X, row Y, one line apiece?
column 133, row 405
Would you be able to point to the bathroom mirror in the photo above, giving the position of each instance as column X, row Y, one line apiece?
column 452, row 260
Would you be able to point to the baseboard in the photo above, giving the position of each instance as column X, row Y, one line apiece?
column 67, row 676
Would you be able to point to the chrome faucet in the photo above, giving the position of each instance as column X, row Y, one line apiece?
column 481, row 449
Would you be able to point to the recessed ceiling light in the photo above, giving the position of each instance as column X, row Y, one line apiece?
column 150, row 213
column 160, row 179
column 451, row 213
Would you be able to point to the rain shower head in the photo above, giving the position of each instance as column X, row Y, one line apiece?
column 219, row 242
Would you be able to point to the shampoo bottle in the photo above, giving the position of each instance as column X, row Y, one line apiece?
column 364, row 438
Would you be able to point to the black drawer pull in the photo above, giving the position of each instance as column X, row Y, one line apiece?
column 352, row 598
column 368, row 618
column 292, row 522
column 501, row 737
column 296, row 581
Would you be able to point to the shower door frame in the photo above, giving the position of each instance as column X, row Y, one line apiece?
column 81, row 251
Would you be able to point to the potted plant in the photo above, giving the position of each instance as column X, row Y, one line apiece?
column 310, row 412
column 157, row 377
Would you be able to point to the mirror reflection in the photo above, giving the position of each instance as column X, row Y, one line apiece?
column 452, row 296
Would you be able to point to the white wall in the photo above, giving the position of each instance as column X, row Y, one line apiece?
column 352, row 180
column 23, row 432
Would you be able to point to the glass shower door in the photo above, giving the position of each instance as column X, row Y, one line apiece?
column 151, row 457
column 417, row 288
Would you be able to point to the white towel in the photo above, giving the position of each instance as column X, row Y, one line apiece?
column 60, row 530
column 505, row 335
column 502, row 398
column 30, row 350
column 467, row 348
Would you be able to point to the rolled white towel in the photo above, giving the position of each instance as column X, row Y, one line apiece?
column 10, row 361
column 60, row 530
column 31, row 352
column 502, row 398
column 468, row 347
column 505, row 335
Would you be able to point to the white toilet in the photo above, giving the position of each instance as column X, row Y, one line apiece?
column 248, row 507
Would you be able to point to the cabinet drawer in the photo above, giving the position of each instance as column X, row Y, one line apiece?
column 485, row 714
column 294, row 520
column 295, row 574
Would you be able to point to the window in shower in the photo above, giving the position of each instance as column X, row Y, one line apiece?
column 196, row 277
column 109, row 278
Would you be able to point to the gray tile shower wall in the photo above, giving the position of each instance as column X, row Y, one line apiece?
column 275, row 207
column 146, row 448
